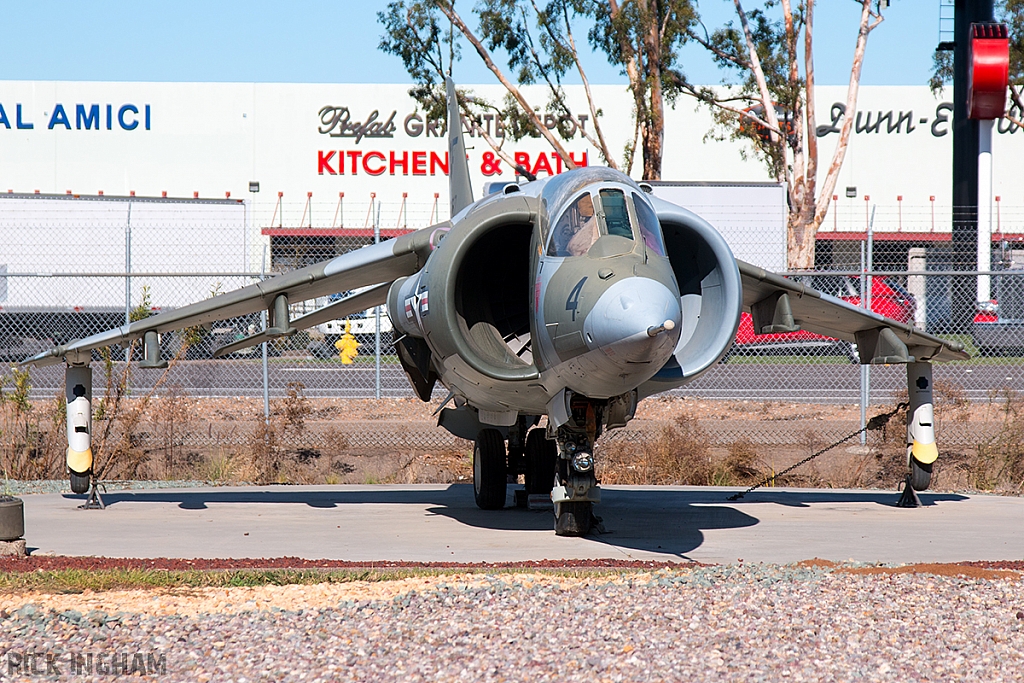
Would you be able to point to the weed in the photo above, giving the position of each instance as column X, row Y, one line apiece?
column 220, row 469
column 741, row 462
column 1000, row 461
column 29, row 438
column 681, row 454
column 173, row 416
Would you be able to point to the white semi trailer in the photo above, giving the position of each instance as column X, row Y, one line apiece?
column 751, row 216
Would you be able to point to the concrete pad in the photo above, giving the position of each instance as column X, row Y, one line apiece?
column 442, row 523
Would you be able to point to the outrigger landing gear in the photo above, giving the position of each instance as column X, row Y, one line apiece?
column 921, row 448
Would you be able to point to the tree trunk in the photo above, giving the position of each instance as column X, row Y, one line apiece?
column 801, row 229
column 654, row 131
column 653, row 139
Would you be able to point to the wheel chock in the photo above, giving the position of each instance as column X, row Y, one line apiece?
column 94, row 501
column 909, row 498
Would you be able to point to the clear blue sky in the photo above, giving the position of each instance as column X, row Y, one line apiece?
column 321, row 41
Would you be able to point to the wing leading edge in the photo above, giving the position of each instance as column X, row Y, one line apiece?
column 778, row 304
column 377, row 264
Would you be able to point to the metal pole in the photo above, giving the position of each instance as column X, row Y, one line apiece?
column 866, row 283
column 128, row 278
column 376, row 310
column 866, row 295
column 965, row 166
column 266, row 368
column 864, row 379
column 984, row 207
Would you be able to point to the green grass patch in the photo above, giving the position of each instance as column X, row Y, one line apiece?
column 80, row 580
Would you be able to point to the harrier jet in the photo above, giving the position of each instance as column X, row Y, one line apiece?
column 548, row 309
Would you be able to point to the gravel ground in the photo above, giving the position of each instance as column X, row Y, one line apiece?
column 15, row 487
column 734, row 623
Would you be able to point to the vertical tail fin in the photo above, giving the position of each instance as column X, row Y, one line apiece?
column 459, row 189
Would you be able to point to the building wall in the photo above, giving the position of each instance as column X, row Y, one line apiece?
column 213, row 138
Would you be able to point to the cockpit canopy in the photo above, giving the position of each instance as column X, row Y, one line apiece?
column 582, row 206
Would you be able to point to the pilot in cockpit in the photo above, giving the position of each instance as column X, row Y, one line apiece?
column 577, row 230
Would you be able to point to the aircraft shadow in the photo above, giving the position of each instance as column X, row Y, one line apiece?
column 673, row 520
column 669, row 520
column 279, row 495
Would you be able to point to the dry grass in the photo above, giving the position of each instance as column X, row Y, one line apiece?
column 167, row 434
column 32, row 440
column 680, row 454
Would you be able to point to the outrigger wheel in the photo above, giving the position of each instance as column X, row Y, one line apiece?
column 489, row 470
column 80, row 482
column 920, row 475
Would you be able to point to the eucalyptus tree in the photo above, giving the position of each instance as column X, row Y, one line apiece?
column 771, row 50
column 525, row 42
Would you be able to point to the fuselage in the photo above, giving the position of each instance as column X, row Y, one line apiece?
column 601, row 302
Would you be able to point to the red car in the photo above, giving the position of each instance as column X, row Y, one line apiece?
column 888, row 298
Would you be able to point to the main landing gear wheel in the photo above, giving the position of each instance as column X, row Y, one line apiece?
column 920, row 475
column 489, row 470
column 541, row 455
column 80, row 482
column 574, row 519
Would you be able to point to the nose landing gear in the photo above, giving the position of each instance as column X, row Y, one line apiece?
column 562, row 467
column 576, row 487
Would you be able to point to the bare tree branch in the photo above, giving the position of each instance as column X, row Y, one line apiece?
column 811, row 129
column 449, row 11
column 706, row 43
column 758, row 73
column 603, row 146
column 498, row 148
column 866, row 26
column 1015, row 96
column 797, row 175
column 558, row 96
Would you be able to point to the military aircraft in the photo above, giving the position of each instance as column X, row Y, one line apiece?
column 570, row 298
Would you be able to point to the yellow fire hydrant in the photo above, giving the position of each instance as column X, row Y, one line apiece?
column 347, row 346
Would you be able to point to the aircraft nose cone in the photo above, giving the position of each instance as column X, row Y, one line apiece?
column 636, row 321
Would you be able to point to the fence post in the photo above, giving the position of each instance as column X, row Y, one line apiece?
column 864, row 379
column 918, row 284
column 128, row 278
column 266, row 368
column 376, row 312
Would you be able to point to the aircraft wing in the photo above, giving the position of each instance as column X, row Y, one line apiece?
column 778, row 304
column 377, row 264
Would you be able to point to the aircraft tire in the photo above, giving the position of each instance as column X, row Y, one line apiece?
column 541, row 454
column 489, row 470
column 80, row 482
column 573, row 519
column 920, row 475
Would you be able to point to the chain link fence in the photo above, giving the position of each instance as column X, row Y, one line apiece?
column 74, row 266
